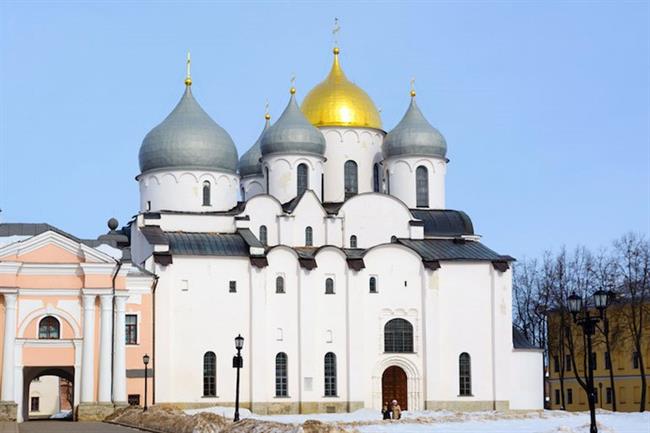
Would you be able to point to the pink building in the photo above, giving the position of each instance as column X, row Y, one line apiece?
column 76, row 309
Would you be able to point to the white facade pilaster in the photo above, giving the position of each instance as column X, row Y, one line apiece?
column 106, row 306
column 119, row 351
column 88, row 351
column 8, row 355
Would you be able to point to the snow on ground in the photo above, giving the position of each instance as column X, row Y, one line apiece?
column 369, row 421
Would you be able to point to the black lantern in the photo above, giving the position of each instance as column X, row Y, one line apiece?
column 238, row 362
column 239, row 342
column 601, row 299
column 145, row 360
column 575, row 303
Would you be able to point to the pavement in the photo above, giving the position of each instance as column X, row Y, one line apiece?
column 67, row 427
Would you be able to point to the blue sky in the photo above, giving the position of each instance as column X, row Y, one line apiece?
column 545, row 105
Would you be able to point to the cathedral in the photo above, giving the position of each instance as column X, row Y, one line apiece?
column 327, row 246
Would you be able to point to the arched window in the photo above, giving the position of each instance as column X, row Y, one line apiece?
column 398, row 336
column 330, row 374
column 209, row 374
column 422, row 186
column 266, row 172
column 309, row 237
column 206, row 193
column 303, row 178
column 372, row 285
column 329, row 286
column 279, row 285
column 375, row 177
column 281, row 379
column 387, row 182
column 263, row 236
column 393, row 239
column 351, row 179
column 49, row 328
column 353, row 241
column 243, row 194
column 465, row 374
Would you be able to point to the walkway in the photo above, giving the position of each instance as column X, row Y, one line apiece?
column 71, row 427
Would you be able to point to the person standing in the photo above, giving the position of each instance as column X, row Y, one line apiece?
column 385, row 411
column 397, row 411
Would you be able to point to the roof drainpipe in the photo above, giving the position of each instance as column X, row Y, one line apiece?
column 117, row 271
column 153, row 338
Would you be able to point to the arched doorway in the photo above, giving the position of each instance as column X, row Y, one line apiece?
column 67, row 386
column 394, row 386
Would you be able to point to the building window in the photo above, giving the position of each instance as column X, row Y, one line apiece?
column 281, row 380
column 594, row 362
column 232, row 287
column 387, row 182
column 569, row 396
column 608, row 395
column 49, row 329
column 422, row 186
column 266, row 172
column 557, row 396
column 131, row 321
column 556, row 364
column 309, row 237
column 209, row 374
column 635, row 360
column 263, row 236
column 329, row 286
column 351, row 179
column 398, row 336
column 353, row 241
column 206, row 193
column 393, row 239
column 133, row 399
column 372, row 285
column 279, row 285
column 567, row 363
column 608, row 361
column 303, row 178
column 34, row 404
column 330, row 375
column 465, row 374
column 375, row 177
column 243, row 194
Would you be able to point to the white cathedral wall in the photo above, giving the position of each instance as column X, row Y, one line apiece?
column 401, row 172
column 282, row 174
column 362, row 145
column 182, row 190
column 527, row 380
column 264, row 210
column 252, row 186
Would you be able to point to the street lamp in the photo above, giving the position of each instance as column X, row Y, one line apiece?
column 238, row 362
column 145, row 360
column 587, row 322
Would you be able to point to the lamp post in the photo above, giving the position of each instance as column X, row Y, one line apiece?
column 583, row 318
column 145, row 360
column 238, row 362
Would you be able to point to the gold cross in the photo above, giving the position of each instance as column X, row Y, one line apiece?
column 335, row 30
column 188, row 75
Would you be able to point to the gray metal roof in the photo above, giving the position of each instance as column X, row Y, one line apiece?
column 207, row 244
column 451, row 249
column 250, row 239
column 188, row 139
column 519, row 341
column 292, row 133
column 249, row 163
column 444, row 222
column 32, row 229
column 414, row 136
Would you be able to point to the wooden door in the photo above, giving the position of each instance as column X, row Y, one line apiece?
column 393, row 387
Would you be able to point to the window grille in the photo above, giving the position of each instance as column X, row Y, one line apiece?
column 351, row 179
column 309, row 237
column 465, row 374
column 131, row 323
column 422, row 186
column 373, row 285
column 209, row 374
column 303, row 178
column 49, row 329
column 206, row 193
column 263, row 236
column 281, row 379
column 353, row 241
column 329, row 286
column 279, row 285
column 398, row 336
column 330, row 375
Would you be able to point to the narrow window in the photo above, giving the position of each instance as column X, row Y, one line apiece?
column 635, row 360
column 557, row 396
column 330, row 374
column 422, row 186
column 465, row 374
column 375, row 177
column 309, row 237
column 266, row 171
column 131, row 321
column 351, row 179
column 303, row 178
column 393, row 239
column 148, row 205
column 398, row 336
column 569, row 396
column 322, row 187
column 567, row 366
column 608, row 361
column 206, row 193
column 232, row 287
column 353, row 241
column 209, row 374
column 594, row 362
column 243, row 194
column 279, row 285
column 263, row 236
column 372, row 284
column 49, row 329
column 35, row 404
column 281, row 379
column 608, row 395
column 329, row 286
column 556, row 364
column 387, row 182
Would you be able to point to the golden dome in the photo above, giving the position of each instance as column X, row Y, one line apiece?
column 336, row 101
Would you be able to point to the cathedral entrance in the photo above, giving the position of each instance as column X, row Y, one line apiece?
column 47, row 391
column 393, row 386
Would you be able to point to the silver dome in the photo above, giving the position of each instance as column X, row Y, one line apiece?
column 188, row 139
column 292, row 133
column 249, row 164
column 414, row 136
